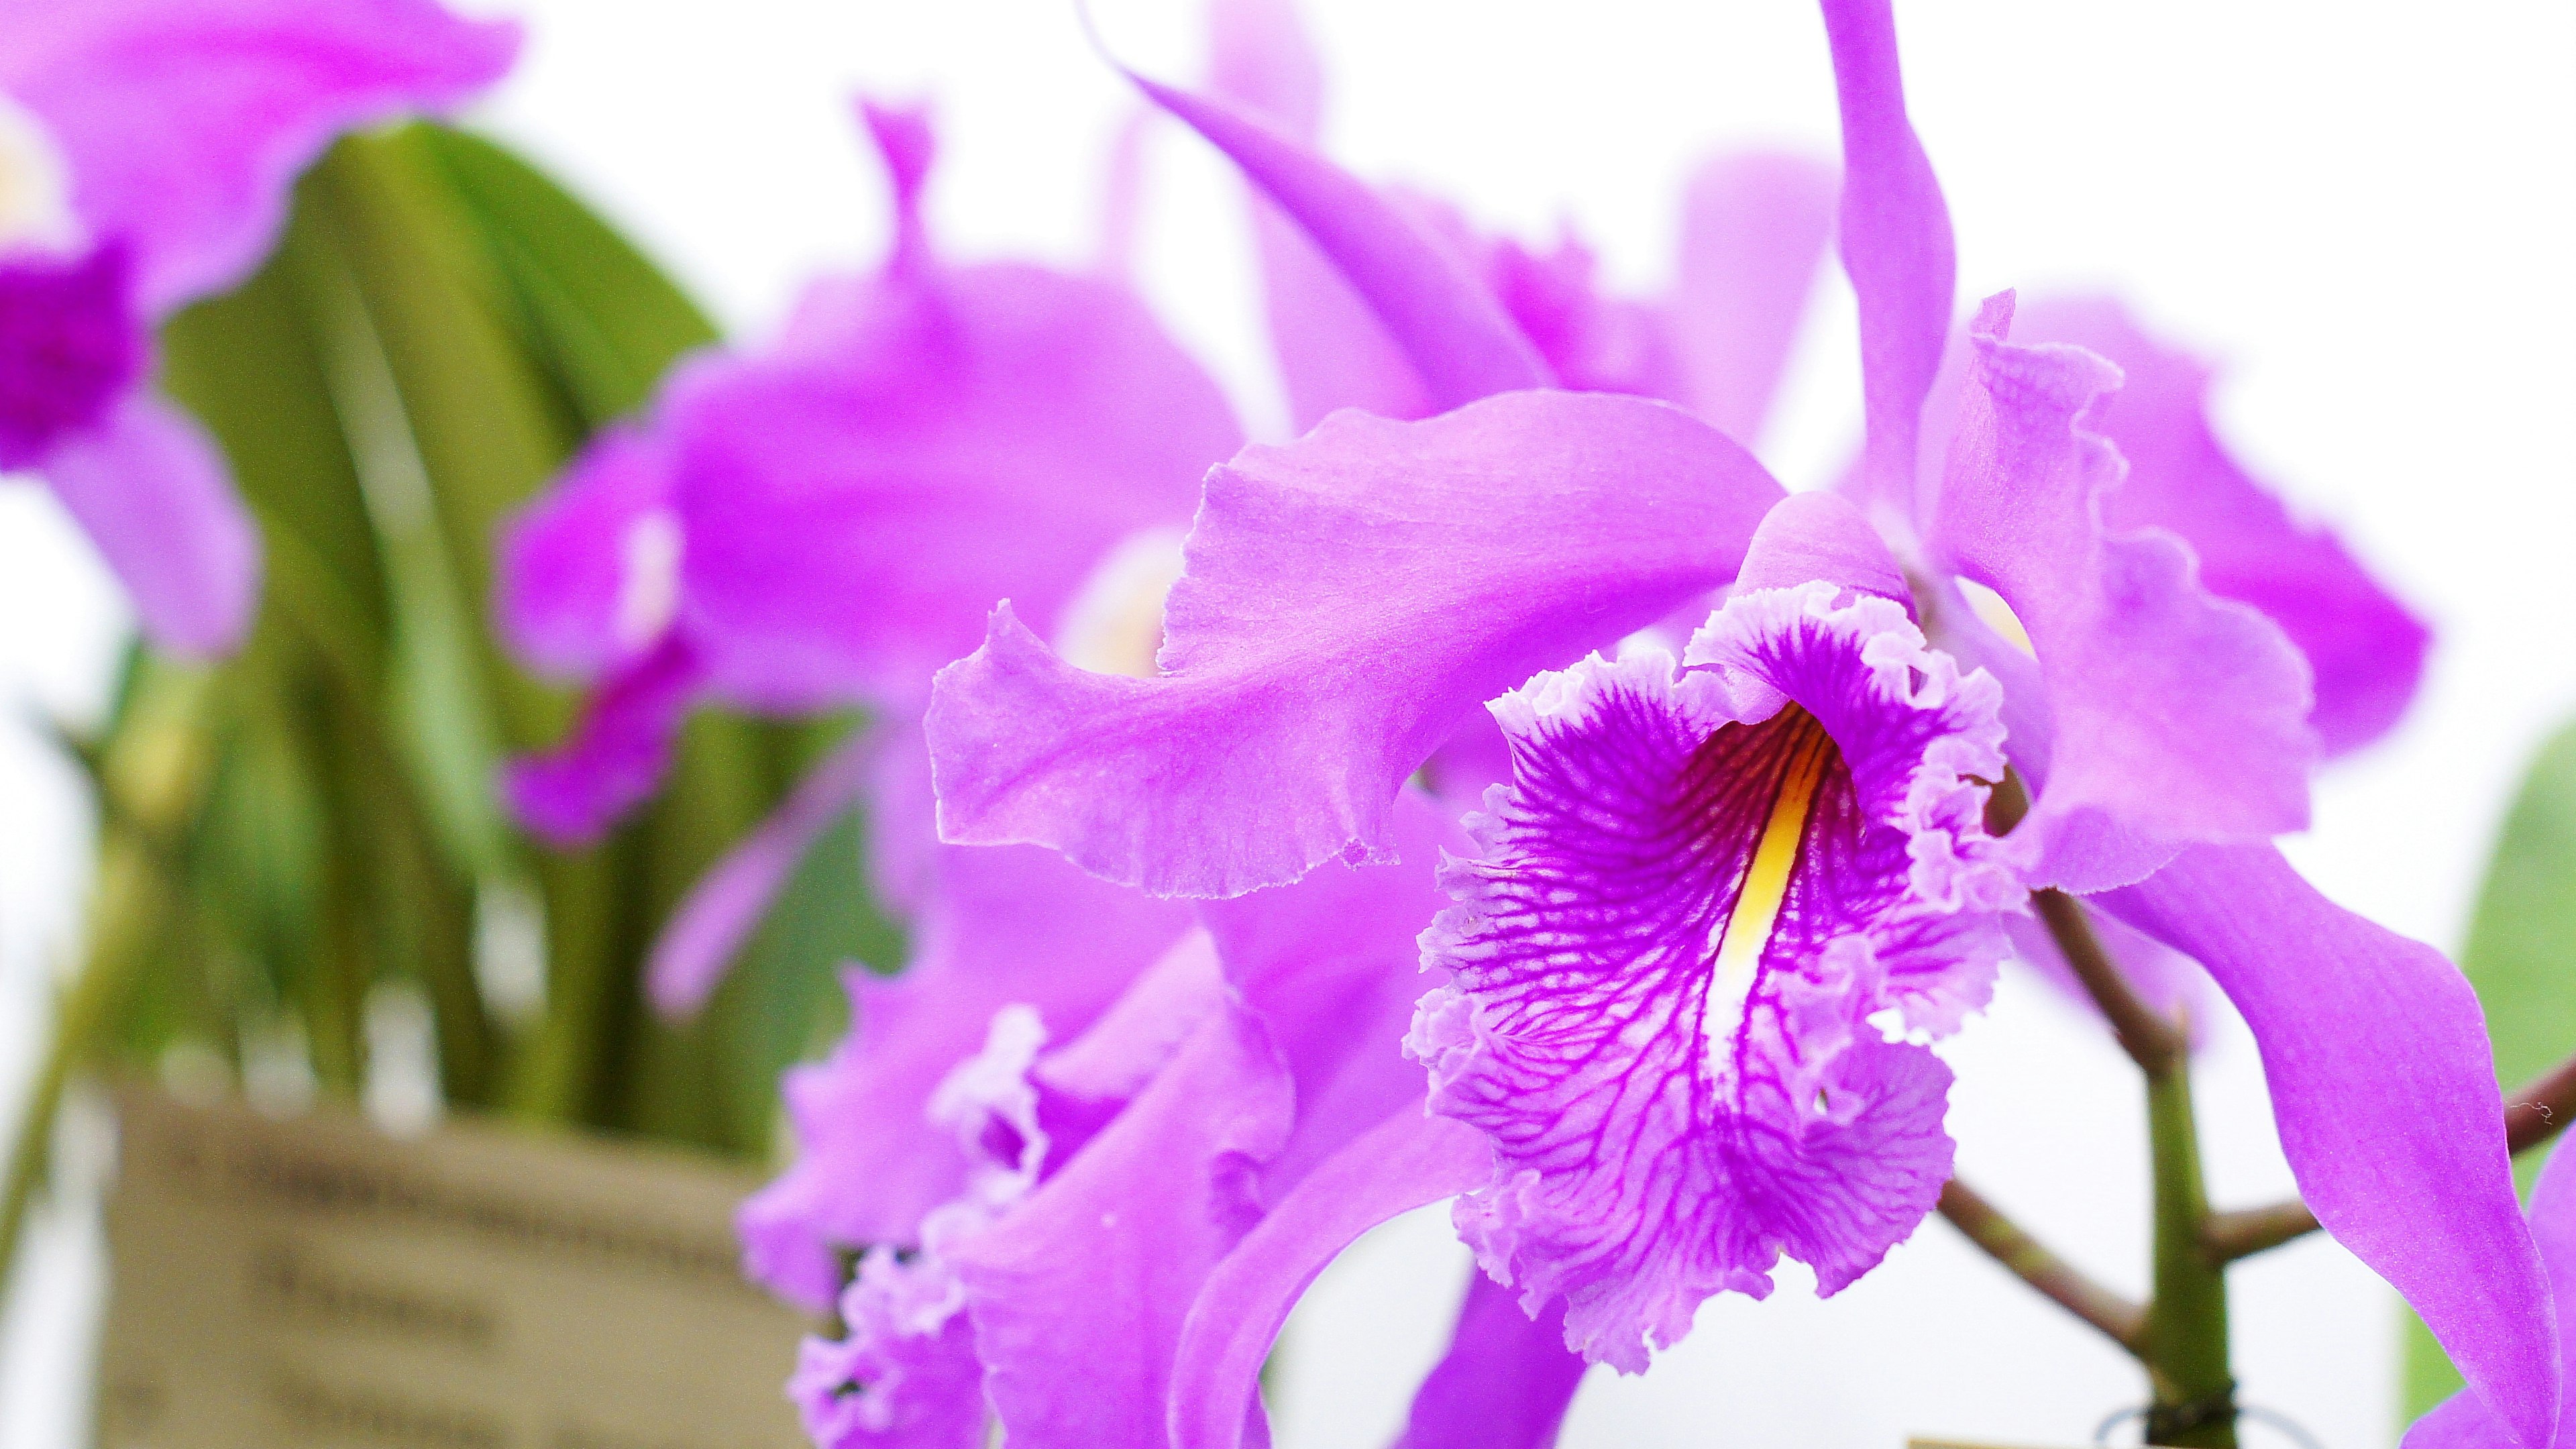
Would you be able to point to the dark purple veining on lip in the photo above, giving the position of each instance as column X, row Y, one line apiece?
column 70, row 345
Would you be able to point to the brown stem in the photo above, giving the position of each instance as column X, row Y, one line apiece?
column 2022, row 1255
column 2154, row 1043
column 2532, row 1116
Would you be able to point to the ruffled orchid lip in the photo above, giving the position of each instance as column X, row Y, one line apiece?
column 70, row 345
column 1673, row 952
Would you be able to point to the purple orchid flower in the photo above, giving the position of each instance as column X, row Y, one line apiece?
column 1147, row 1182
column 1350, row 598
column 825, row 522
column 146, row 151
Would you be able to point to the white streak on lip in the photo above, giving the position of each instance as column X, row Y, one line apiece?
column 648, row 593
column 1114, row 625
column 35, row 185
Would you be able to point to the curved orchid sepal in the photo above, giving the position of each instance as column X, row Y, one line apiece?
column 2383, row 1087
column 2365, row 648
column 1505, row 1382
column 1461, row 343
column 1670, row 956
column 1348, row 600
column 2467, row 1420
column 2173, row 717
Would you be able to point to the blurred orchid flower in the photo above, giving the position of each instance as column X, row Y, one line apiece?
column 1706, row 878
column 146, row 152
column 825, row 521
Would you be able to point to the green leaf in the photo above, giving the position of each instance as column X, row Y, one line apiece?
column 2518, row 958
column 607, row 321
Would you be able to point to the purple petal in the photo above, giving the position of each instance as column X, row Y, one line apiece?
column 2463, row 1421
column 152, row 492
column 1332, row 351
column 2174, row 717
column 2364, row 647
column 1504, row 1383
column 1000, row 928
column 1349, row 598
column 1452, row 330
column 728, row 902
column 903, row 1375
column 1896, row 243
column 590, row 571
column 1753, row 229
column 1591, row 341
column 70, row 346
column 1079, row 1295
column 1811, row 536
column 1332, row 968
column 262, row 85
column 1665, row 954
column 1405, row 1162
column 855, row 502
column 617, row 752
column 2384, row 1091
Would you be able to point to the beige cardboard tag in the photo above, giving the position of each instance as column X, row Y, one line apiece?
column 315, row 1282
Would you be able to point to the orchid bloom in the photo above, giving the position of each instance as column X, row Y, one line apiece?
column 825, row 521
column 146, row 152
column 1715, row 885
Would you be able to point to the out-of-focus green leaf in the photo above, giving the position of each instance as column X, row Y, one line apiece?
column 607, row 321
column 2520, row 958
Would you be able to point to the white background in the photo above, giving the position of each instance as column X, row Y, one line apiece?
column 2367, row 211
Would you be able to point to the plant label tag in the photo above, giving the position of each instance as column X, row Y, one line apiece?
column 314, row 1281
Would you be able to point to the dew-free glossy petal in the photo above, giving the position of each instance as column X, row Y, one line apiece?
column 1080, row 1294
column 2174, row 716
column 185, row 121
column 152, row 492
column 1505, row 1382
column 1753, row 230
column 1332, row 967
column 1405, row 1162
column 1349, row 598
column 2384, row 1092
column 2364, row 647
column 1453, row 331
column 854, row 502
column 2463, row 1421
column 1896, row 243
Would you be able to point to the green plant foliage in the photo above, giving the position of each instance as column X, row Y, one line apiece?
column 440, row 328
column 2516, row 957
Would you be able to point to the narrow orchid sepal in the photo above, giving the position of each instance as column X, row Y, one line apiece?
column 1896, row 243
column 1453, row 331
column 1505, row 1381
column 2384, row 1092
